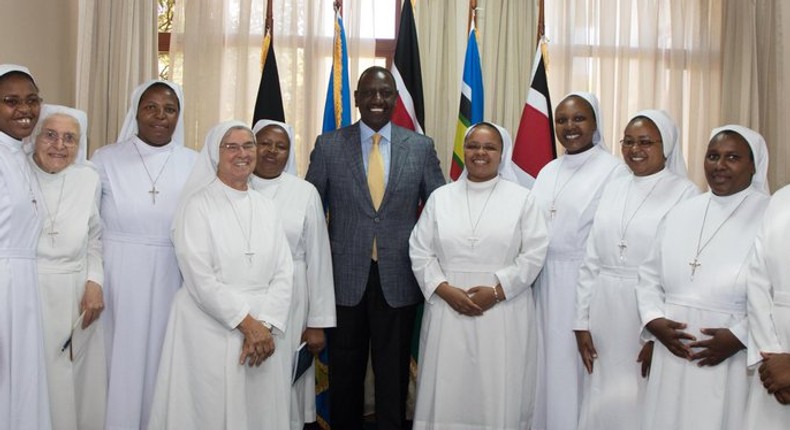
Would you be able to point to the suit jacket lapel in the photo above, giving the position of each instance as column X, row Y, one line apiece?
column 399, row 153
column 354, row 149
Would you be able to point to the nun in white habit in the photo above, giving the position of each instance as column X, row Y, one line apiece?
column 692, row 295
column 476, row 249
column 567, row 190
column 24, row 403
column 607, row 319
column 70, row 268
column 219, row 369
column 142, row 176
column 302, row 214
column 768, row 293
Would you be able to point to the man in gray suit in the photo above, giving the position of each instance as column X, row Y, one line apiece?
column 372, row 176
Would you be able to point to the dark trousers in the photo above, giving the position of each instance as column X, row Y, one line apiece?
column 372, row 325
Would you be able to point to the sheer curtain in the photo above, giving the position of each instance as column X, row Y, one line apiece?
column 642, row 54
column 773, row 68
column 116, row 51
column 506, row 39
column 216, row 52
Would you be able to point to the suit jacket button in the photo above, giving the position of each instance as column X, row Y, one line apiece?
column 376, row 219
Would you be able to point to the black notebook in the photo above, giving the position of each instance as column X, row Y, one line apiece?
column 303, row 359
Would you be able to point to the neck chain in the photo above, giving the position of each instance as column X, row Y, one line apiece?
column 623, row 245
column 51, row 215
column 246, row 234
column 695, row 263
column 153, row 191
column 473, row 239
column 26, row 174
column 556, row 193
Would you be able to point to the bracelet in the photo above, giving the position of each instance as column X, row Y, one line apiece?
column 496, row 296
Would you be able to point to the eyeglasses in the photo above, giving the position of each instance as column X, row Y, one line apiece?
column 643, row 143
column 51, row 137
column 15, row 102
column 235, row 147
column 473, row 146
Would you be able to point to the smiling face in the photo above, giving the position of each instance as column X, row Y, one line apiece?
column 575, row 124
column 482, row 153
column 20, row 105
column 642, row 148
column 273, row 147
column 729, row 164
column 157, row 115
column 236, row 158
column 375, row 97
column 57, row 144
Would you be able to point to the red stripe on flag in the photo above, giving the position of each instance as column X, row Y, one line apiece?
column 533, row 148
column 534, row 144
column 400, row 115
column 407, row 71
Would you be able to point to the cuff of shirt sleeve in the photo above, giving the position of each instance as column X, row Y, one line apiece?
column 644, row 333
column 741, row 333
column 97, row 277
column 234, row 321
column 581, row 325
column 430, row 294
column 506, row 287
column 754, row 356
column 278, row 326
column 321, row 322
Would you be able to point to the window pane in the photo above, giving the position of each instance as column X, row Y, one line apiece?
column 165, row 19
column 164, row 65
column 383, row 24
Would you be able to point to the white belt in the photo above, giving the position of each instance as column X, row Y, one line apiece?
column 565, row 255
column 723, row 303
column 619, row 271
column 472, row 268
column 21, row 253
column 60, row 268
column 139, row 239
column 782, row 298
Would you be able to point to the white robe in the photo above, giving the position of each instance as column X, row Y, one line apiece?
column 478, row 372
column 24, row 403
column 313, row 298
column 768, row 292
column 66, row 261
column 681, row 395
column 631, row 207
column 560, row 370
column 201, row 384
column 140, row 267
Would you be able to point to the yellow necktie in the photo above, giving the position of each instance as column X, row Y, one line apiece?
column 376, row 180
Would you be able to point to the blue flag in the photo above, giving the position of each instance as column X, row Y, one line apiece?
column 337, row 110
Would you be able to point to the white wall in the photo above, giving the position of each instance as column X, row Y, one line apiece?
column 42, row 35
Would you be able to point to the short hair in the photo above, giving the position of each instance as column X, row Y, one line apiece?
column 19, row 73
column 374, row 69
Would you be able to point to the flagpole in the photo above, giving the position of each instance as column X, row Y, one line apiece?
column 269, row 25
column 472, row 15
column 541, row 22
column 339, row 7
